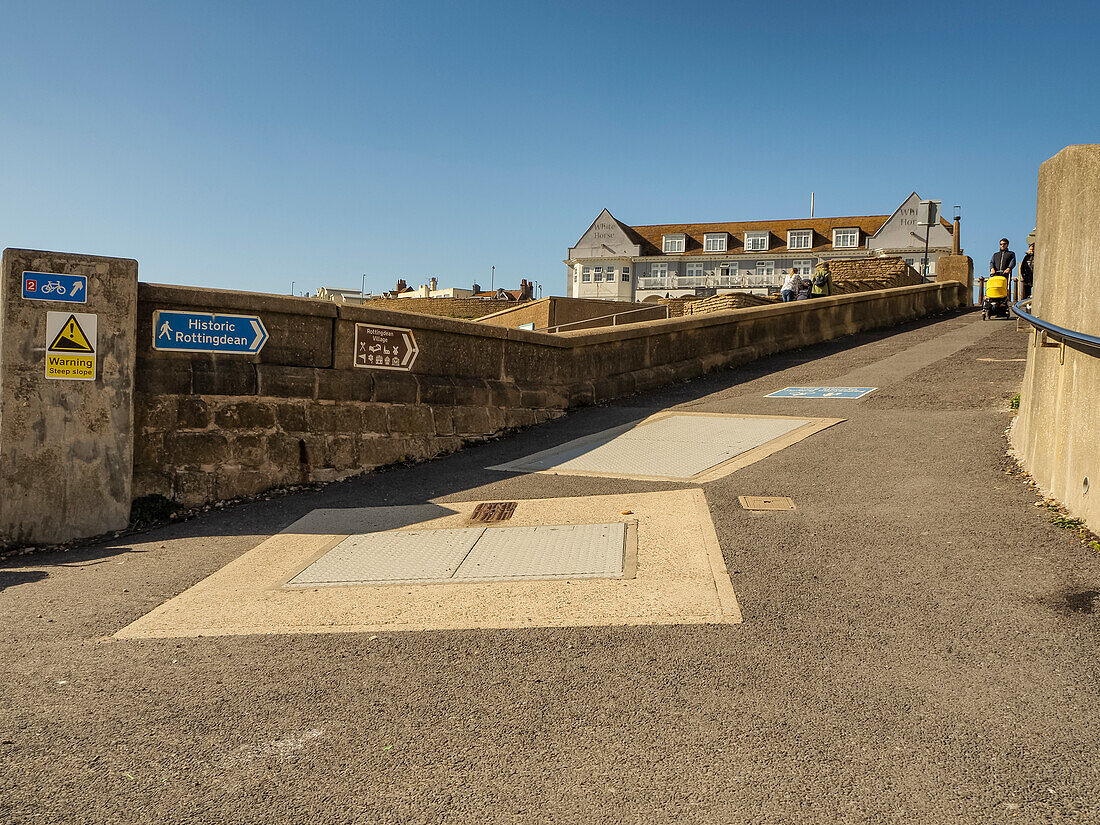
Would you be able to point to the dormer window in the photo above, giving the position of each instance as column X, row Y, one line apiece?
column 674, row 243
column 800, row 239
column 756, row 241
column 714, row 242
column 845, row 238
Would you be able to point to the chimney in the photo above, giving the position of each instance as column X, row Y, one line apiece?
column 433, row 284
column 956, row 241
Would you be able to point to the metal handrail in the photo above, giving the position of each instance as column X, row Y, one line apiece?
column 1070, row 337
column 613, row 317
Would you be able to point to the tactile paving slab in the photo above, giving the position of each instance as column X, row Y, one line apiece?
column 677, row 446
column 568, row 551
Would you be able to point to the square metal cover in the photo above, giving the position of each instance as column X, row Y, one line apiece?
column 766, row 502
column 569, row 551
column 677, row 446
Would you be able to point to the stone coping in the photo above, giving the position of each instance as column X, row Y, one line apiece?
column 257, row 302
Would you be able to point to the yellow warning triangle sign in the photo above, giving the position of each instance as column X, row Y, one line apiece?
column 71, row 338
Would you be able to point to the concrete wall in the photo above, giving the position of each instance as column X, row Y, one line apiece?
column 212, row 427
column 553, row 311
column 1056, row 433
column 65, row 445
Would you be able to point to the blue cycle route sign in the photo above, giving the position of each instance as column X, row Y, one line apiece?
column 50, row 286
column 821, row 392
column 177, row 331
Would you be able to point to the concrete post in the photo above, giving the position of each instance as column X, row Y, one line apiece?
column 66, row 414
column 1055, row 434
column 957, row 268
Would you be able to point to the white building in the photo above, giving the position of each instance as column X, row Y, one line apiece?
column 632, row 263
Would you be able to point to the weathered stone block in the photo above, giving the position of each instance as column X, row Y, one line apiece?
column 334, row 418
column 345, row 385
column 503, row 394
column 248, row 450
column 411, row 419
column 517, row 417
column 342, row 451
column 196, row 449
column 192, row 487
column 444, row 420
column 496, row 419
column 436, row 390
column 291, row 418
column 154, row 413
column 374, row 419
column 245, row 415
column 192, row 413
column 283, row 450
column 395, row 388
column 471, row 392
column 533, row 399
column 163, row 376
column 471, row 420
column 276, row 381
column 223, row 377
column 149, row 451
column 444, row 445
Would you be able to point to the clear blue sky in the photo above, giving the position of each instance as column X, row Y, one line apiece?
column 246, row 145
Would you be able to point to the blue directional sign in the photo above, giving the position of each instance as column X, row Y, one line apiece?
column 822, row 392
column 49, row 286
column 206, row 332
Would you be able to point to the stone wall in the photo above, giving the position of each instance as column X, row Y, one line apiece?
column 1055, row 434
column 218, row 426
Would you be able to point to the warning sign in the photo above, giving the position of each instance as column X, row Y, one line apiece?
column 71, row 339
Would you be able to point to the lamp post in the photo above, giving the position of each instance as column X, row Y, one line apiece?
column 492, row 277
column 292, row 287
column 363, row 290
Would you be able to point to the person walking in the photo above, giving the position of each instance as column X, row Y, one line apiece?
column 1003, row 262
column 791, row 286
column 1027, row 272
column 823, row 282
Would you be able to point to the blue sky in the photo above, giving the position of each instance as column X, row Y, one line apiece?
column 249, row 145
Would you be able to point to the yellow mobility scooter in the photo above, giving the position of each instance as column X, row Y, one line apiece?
column 995, row 304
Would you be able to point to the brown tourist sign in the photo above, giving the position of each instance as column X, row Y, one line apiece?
column 384, row 348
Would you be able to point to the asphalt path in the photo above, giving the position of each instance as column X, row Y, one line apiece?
column 918, row 644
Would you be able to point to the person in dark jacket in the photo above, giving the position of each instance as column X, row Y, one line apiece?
column 1003, row 261
column 1027, row 271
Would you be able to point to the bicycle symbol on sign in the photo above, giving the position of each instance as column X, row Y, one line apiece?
column 53, row 286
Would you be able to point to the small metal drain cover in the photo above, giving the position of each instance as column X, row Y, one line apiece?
column 554, row 551
column 494, row 511
column 766, row 502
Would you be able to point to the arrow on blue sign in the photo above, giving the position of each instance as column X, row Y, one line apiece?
column 206, row 332
column 51, row 286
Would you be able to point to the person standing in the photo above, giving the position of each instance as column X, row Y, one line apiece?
column 1027, row 271
column 791, row 286
column 823, row 282
column 803, row 289
column 1003, row 262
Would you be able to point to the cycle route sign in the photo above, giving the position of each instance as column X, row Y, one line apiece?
column 47, row 286
column 178, row 331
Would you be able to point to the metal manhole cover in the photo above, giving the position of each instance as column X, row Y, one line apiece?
column 555, row 551
column 494, row 511
column 766, row 502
